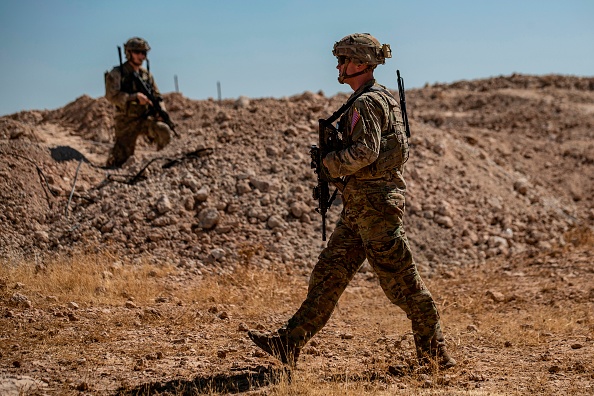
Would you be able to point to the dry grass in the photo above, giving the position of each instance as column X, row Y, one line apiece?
column 102, row 279
column 139, row 322
column 96, row 278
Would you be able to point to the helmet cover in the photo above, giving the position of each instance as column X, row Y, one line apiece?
column 136, row 44
column 362, row 47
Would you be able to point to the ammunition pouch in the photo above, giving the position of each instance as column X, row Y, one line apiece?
column 393, row 154
column 135, row 109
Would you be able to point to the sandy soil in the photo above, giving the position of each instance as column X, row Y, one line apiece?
column 500, row 216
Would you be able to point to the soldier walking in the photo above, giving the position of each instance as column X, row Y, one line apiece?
column 370, row 166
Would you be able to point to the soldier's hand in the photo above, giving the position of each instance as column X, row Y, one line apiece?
column 142, row 99
column 326, row 170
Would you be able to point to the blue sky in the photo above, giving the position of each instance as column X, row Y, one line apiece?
column 53, row 51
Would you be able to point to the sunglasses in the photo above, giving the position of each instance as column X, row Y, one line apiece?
column 342, row 59
column 139, row 52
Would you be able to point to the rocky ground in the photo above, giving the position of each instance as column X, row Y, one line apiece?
column 500, row 176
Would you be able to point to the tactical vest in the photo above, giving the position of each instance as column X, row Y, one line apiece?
column 394, row 147
column 128, row 85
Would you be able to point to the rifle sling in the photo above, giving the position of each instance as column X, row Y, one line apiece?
column 336, row 115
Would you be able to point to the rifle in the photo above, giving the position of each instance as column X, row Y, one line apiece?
column 156, row 108
column 403, row 103
column 328, row 140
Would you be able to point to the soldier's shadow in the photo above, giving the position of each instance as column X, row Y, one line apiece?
column 67, row 153
column 242, row 380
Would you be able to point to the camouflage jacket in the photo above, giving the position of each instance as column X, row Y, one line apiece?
column 122, row 90
column 364, row 127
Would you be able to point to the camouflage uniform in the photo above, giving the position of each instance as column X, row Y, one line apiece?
column 370, row 227
column 130, row 116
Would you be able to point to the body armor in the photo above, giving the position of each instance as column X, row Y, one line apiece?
column 394, row 143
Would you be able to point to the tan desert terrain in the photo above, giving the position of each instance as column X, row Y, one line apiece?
column 145, row 280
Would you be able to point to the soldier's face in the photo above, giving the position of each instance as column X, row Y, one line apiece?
column 351, row 67
column 138, row 57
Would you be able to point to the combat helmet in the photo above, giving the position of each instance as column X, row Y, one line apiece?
column 361, row 48
column 364, row 48
column 136, row 44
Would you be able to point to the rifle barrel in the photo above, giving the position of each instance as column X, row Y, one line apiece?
column 403, row 103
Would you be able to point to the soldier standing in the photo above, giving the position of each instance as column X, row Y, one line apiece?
column 132, row 106
column 370, row 166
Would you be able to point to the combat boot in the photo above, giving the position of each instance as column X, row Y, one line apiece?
column 434, row 350
column 440, row 353
column 278, row 345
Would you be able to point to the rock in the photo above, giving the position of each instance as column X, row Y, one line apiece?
column 495, row 296
column 223, row 315
column 260, row 184
column 444, row 221
column 189, row 181
column 222, row 116
column 471, row 235
column 242, row 102
column 156, row 235
column 275, row 222
column 20, row 300
column 243, row 187
column 83, row 386
column 522, row 186
column 444, row 209
column 15, row 385
column 554, row 369
column 41, row 236
column 297, row 209
column 291, row 131
column 439, row 148
column 163, row 205
column 208, row 218
column 217, row 254
column 202, row 194
column 189, row 203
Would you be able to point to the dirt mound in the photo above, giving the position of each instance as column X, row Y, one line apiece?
column 90, row 118
column 498, row 167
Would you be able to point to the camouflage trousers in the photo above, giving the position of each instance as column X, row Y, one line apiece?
column 127, row 131
column 370, row 227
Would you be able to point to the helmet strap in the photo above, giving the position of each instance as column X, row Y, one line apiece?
column 343, row 75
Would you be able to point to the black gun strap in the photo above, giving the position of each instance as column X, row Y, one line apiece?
column 336, row 115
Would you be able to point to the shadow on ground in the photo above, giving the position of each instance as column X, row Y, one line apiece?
column 67, row 153
column 242, row 380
